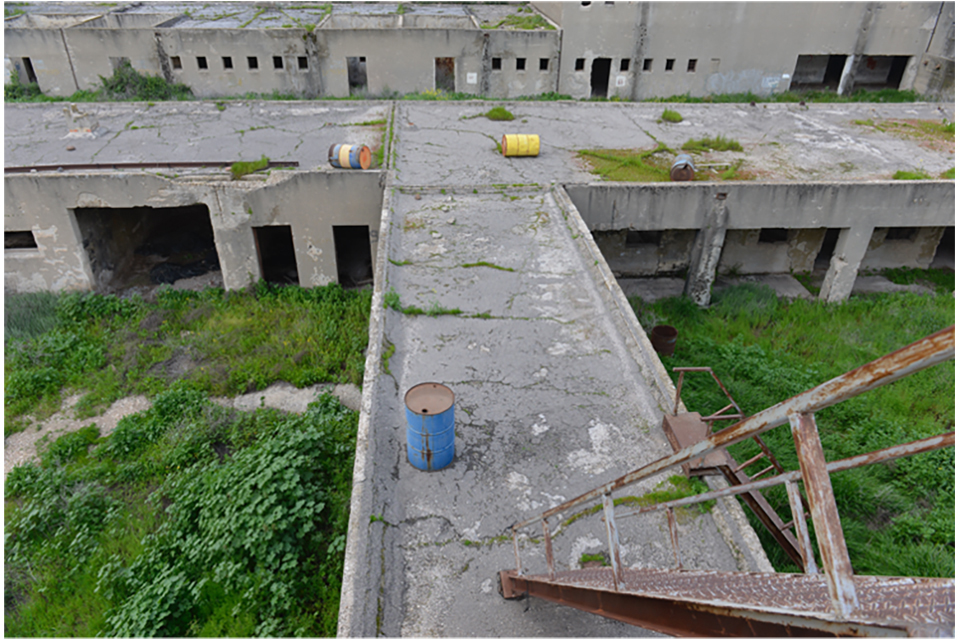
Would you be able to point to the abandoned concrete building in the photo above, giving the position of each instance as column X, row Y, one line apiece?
column 623, row 50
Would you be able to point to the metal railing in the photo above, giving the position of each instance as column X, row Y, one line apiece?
column 814, row 469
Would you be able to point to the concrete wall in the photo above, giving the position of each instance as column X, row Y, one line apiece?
column 310, row 202
column 100, row 49
column 805, row 210
column 532, row 46
column 48, row 55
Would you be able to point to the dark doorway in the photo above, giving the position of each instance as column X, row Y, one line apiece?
column 945, row 258
column 28, row 68
column 19, row 240
column 817, row 72
column 145, row 246
column 834, row 71
column 897, row 66
column 354, row 265
column 357, row 75
column 444, row 75
column 822, row 261
column 278, row 259
column 599, row 77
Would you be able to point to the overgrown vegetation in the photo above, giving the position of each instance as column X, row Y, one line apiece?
column 918, row 174
column 483, row 263
column 860, row 95
column 126, row 84
column 188, row 520
column 669, row 115
column 898, row 518
column 706, row 144
column 240, row 169
column 499, row 114
column 631, row 165
column 932, row 131
column 222, row 343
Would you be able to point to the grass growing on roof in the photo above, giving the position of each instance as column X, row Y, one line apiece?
column 499, row 114
column 766, row 350
column 669, row 115
column 717, row 143
column 630, row 165
column 918, row 174
column 240, row 169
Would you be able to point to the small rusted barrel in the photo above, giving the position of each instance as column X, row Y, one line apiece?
column 430, row 428
column 520, row 144
column 349, row 156
column 664, row 339
column 682, row 169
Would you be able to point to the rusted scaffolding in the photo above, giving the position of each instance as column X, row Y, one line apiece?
column 834, row 602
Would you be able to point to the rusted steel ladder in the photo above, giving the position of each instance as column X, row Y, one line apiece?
column 835, row 602
column 685, row 429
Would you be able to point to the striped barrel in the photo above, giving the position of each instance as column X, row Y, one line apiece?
column 430, row 429
column 520, row 144
column 349, row 156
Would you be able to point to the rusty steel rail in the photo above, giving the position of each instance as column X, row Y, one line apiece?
column 119, row 166
column 934, row 349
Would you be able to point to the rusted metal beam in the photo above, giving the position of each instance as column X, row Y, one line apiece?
column 548, row 542
column 823, row 512
column 613, row 541
column 100, row 166
column 932, row 443
column 803, row 534
column 934, row 349
column 674, row 538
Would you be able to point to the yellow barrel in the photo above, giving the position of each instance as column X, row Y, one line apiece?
column 520, row 144
column 349, row 156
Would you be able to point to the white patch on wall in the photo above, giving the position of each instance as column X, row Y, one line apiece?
column 621, row 81
column 471, row 78
column 771, row 82
column 314, row 252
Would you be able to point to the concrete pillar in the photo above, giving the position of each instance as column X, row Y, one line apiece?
column 851, row 247
column 706, row 253
column 846, row 78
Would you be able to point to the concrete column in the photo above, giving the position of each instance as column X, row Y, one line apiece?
column 851, row 247
column 846, row 78
column 706, row 253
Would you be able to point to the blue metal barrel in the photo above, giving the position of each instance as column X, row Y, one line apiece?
column 349, row 156
column 430, row 429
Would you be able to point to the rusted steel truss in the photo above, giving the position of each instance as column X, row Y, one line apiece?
column 723, row 603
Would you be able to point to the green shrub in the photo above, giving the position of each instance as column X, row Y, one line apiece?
column 70, row 447
column 499, row 114
column 919, row 174
column 240, row 169
column 670, row 115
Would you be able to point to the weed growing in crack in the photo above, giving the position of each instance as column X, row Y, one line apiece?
column 485, row 264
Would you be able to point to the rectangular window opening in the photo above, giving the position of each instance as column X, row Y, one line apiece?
column 357, row 75
column 648, row 64
column 625, row 64
column 252, row 62
column 227, row 62
column 301, row 62
column 691, row 65
column 773, row 235
column 669, row 66
column 175, row 62
column 278, row 62
column 202, row 62
column 544, row 64
column 278, row 258
column 521, row 64
column 19, row 240
column 28, row 68
column 578, row 65
column 495, row 64
column 352, row 246
column 902, row 233
column 445, row 75
column 637, row 238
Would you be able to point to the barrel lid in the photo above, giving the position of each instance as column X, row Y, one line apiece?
column 429, row 398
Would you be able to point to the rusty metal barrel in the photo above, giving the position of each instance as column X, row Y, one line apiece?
column 520, row 144
column 430, row 426
column 349, row 156
column 663, row 337
column 682, row 169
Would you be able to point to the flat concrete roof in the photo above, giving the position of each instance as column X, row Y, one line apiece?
column 451, row 143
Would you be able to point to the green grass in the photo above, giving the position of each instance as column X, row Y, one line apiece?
column 240, row 169
column 918, row 174
column 485, row 264
column 188, row 520
column 223, row 343
column 126, row 84
column 717, row 143
column 594, row 557
column 860, row 95
column 526, row 22
column 949, row 174
column 670, row 115
column 499, row 114
column 943, row 280
column 898, row 518
column 626, row 165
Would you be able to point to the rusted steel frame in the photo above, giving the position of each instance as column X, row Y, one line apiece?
column 613, row 541
column 763, row 473
column 730, row 417
column 749, row 462
column 676, row 400
column 716, row 414
column 136, row 165
column 674, row 537
column 767, row 452
column 548, row 548
column 686, row 618
column 933, row 349
column 516, row 552
column 823, row 512
column 727, row 393
column 932, row 443
column 803, row 535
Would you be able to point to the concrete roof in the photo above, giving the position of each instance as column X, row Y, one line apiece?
column 451, row 143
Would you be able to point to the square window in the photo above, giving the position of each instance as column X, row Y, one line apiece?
column 625, row 64
column 772, row 235
column 227, row 62
column 19, row 240
column 175, row 62
column 648, row 64
column 495, row 64
column 578, row 65
column 252, row 62
column 363, row 59
column 691, row 65
column 201, row 62
column 544, row 64
column 670, row 62
column 902, row 233
column 521, row 64
column 301, row 62
column 278, row 62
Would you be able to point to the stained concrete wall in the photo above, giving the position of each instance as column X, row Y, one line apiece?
column 532, row 46
column 806, row 210
column 95, row 47
column 48, row 56
column 310, row 202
